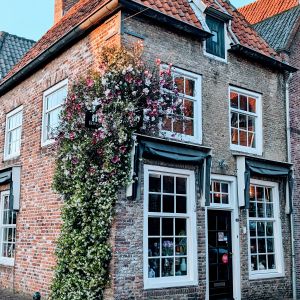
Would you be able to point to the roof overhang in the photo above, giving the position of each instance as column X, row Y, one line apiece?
column 215, row 13
column 263, row 59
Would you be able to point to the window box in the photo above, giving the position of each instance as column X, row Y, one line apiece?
column 170, row 252
column 13, row 132
column 245, row 121
column 53, row 99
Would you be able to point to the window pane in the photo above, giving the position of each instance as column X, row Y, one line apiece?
column 252, row 105
column 234, row 120
column 154, row 203
column 271, row 261
column 269, row 229
column 179, row 81
column 154, row 268
column 167, row 123
column 168, row 184
column 180, row 227
column 180, row 205
column 254, row 266
column 243, row 138
column 167, row 226
column 252, row 226
column 180, row 185
column 167, row 247
column 253, row 246
column 180, row 266
column 167, row 267
column 154, row 226
column 154, row 183
column 178, row 126
column 243, row 122
column 189, row 127
column 234, row 100
column 234, row 136
column 243, row 102
column 224, row 188
column 168, row 203
column 188, row 108
column 180, row 246
column 190, row 87
column 154, row 247
column 262, row 265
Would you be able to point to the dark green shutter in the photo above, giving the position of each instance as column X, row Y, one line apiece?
column 216, row 48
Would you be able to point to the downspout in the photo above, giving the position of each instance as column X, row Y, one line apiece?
column 289, row 157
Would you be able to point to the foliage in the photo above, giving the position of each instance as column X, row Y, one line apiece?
column 93, row 164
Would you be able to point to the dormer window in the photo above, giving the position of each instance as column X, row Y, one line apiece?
column 215, row 45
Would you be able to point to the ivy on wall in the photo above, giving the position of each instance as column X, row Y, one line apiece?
column 93, row 164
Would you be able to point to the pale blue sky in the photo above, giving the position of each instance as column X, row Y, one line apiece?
column 32, row 18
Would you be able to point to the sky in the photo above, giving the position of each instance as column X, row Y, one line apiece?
column 32, row 18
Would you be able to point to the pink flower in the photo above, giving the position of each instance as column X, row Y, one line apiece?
column 115, row 159
column 72, row 136
column 89, row 82
column 158, row 61
column 123, row 149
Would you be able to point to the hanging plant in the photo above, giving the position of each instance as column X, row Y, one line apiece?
column 93, row 164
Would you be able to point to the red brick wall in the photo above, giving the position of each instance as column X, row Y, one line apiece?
column 38, row 221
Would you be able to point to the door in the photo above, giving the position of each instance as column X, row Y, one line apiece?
column 220, row 255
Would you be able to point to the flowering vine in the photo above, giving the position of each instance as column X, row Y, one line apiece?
column 93, row 164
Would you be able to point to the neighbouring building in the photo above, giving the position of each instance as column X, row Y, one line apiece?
column 12, row 49
column 280, row 28
column 223, row 235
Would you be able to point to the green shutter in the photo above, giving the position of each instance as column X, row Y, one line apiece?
column 213, row 47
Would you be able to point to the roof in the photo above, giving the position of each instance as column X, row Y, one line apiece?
column 180, row 10
column 12, row 49
column 278, row 30
column 262, row 9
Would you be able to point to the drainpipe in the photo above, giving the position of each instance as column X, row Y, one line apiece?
column 289, row 157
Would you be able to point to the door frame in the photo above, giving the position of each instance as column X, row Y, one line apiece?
column 235, row 235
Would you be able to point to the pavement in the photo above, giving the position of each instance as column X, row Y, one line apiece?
column 9, row 295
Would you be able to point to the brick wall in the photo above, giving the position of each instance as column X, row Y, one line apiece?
column 295, row 144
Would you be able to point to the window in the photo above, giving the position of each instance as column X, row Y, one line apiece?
column 245, row 121
column 169, row 231
column 219, row 192
column 265, row 248
column 215, row 45
column 7, row 230
column 188, row 128
column 53, row 101
column 13, row 133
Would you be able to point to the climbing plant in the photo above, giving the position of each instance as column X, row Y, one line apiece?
column 93, row 164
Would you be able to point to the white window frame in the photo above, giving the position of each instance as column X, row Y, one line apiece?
column 258, row 121
column 279, row 259
column 197, row 137
column 8, row 116
column 4, row 260
column 192, row 277
column 64, row 83
column 226, row 45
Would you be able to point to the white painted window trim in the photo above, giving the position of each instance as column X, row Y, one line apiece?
column 279, row 258
column 192, row 277
column 10, row 114
column 197, row 137
column 235, row 234
column 226, row 45
column 4, row 260
column 49, row 91
column 258, row 122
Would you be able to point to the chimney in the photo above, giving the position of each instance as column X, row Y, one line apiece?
column 61, row 7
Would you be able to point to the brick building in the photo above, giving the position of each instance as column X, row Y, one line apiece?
column 280, row 28
column 183, row 238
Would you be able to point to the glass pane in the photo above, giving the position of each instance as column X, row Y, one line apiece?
column 167, row 226
column 243, row 122
column 179, row 81
column 261, row 210
column 167, row 267
column 252, row 226
column 260, row 193
column 252, row 210
column 180, row 185
column 188, row 108
column 261, row 231
column 153, row 226
column 253, row 245
column 243, row 138
column 261, row 245
column 269, row 229
column 180, row 227
column 271, row 261
column 234, row 136
column 167, row 247
column 180, row 266
column 154, row 203
column 268, row 194
column 225, row 199
column 180, row 246
column 234, row 120
column 251, row 140
column 167, row 123
column 270, row 245
column 234, row 100
column 154, row 268
column 154, row 247
column 190, row 87
column 216, row 187
column 252, row 104
column 262, row 264
column 243, row 102
column 251, row 124
column 168, row 203
column 154, row 183
column 224, row 187
column 189, row 127
column 180, row 204
column 269, row 210
column 253, row 262
column 178, row 126
column 168, row 184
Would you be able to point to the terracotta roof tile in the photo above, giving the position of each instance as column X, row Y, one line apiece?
column 262, row 9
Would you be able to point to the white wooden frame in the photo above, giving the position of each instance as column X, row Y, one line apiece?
column 197, row 137
column 258, row 121
column 4, row 260
column 9, row 115
column 279, row 272
column 235, row 234
column 58, row 86
column 192, row 277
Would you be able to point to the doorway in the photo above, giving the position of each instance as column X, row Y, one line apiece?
column 220, row 255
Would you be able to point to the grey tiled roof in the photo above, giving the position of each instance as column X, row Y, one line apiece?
column 12, row 49
column 278, row 29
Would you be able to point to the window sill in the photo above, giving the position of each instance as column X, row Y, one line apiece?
column 180, row 137
column 12, row 157
column 47, row 143
column 259, row 276
column 157, row 284
column 245, row 149
column 7, row 262
column 217, row 58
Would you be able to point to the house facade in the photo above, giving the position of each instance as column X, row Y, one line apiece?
column 214, row 223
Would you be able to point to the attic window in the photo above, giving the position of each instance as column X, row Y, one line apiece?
column 215, row 45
